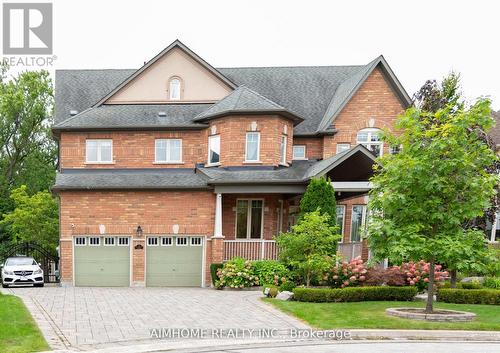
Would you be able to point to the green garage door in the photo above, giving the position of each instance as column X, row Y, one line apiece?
column 102, row 261
column 174, row 261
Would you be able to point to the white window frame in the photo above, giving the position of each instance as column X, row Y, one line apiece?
column 99, row 154
column 210, row 138
column 170, row 82
column 343, row 222
column 109, row 238
column 362, row 225
column 348, row 145
column 283, row 142
column 98, row 241
column 249, row 219
column 81, row 238
column 168, row 159
column 295, row 156
column 258, row 147
column 179, row 238
column 119, row 239
column 192, row 239
column 165, row 238
column 371, row 131
column 151, row 238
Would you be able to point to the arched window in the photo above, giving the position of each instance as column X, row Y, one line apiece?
column 174, row 89
column 370, row 138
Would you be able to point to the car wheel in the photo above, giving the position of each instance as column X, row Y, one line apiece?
column 39, row 284
column 4, row 285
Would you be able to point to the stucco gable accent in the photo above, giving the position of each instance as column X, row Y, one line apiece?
column 201, row 81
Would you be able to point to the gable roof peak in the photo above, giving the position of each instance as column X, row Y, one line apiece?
column 351, row 85
column 175, row 44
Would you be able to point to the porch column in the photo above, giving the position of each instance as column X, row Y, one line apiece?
column 218, row 217
column 218, row 238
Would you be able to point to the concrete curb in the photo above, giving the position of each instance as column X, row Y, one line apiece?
column 230, row 345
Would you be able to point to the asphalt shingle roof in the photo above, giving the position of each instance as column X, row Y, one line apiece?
column 129, row 179
column 242, row 100
column 313, row 93
column 304, row 91
column 135, row 116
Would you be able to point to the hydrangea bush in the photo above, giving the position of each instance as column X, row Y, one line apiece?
column 347, row 274
column 237, row 273
column 270, row 272
column 417, row 273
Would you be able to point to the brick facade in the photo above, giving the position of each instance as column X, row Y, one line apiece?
column 121, row 212
column 374, row 105
column 133, row 149
column 233, row 129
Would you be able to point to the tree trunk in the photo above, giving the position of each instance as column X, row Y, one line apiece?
column 308, row 279
column 430, row 290
column 453, row 278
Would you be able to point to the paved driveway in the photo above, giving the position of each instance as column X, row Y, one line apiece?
column 89, row 318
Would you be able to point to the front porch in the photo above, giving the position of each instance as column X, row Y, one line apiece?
column 254, row 206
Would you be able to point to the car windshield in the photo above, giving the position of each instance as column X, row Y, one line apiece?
column 20, row 261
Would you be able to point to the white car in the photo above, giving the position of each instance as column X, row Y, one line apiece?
column 21, row 270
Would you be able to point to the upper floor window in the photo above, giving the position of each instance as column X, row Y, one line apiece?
column 370, row 138
column 341, row 147
column 99, row 151
column 174, row 88
column 214, row 149
column 283, row 150
column 252, row 150
column 299, row 152
column 168, row 150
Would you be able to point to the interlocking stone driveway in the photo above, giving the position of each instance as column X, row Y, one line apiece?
column 89, row 318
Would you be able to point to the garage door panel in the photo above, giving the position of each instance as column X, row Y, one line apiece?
column 171, row 266
column 102, row 266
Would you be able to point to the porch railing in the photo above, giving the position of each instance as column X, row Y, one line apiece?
column 350, row 250
column 249, row 249
column 259, row 249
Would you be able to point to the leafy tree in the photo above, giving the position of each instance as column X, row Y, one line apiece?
column 25, row 107
column 432, row 97
column 28, row 155
column 422, row 196
column 310, row 247
column 35, row 218
column 319, row 195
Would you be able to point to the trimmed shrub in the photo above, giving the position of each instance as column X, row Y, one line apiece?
column 385, row 276
column 270, row 271
column 469, row 296
column 492, row 282
column 354, row 294
column 288, row 286
column 237, row 273
column 214, row 267
column 347, row 274
column 471, row 285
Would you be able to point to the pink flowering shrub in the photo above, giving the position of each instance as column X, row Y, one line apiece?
column 347, row 274
column 417, row 273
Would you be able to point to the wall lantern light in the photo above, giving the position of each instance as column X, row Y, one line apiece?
column 139, row 232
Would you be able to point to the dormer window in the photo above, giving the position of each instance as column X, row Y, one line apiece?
column 174, row 89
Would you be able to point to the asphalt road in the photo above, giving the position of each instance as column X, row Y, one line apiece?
column 359, row 347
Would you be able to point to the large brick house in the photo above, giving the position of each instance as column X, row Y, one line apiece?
column 171, row 167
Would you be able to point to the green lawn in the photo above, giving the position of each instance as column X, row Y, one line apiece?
column 371, row 315
column 18, row 331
